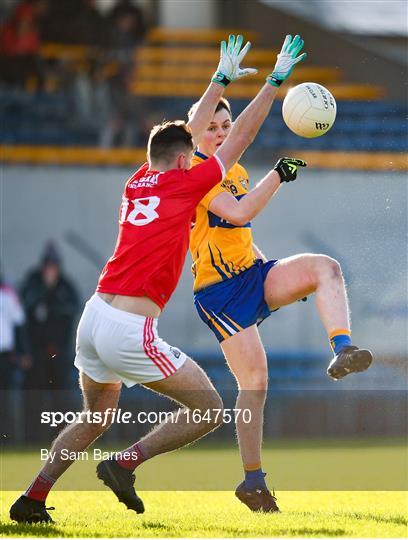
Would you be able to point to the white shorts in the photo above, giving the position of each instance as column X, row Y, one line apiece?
column 114, row 346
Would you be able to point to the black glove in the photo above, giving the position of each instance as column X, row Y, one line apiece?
column 287, row 168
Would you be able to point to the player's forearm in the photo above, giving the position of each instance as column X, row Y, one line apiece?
column 252, row 117
column 249, row 206
column 240, row 212
column 246, row 126
column 205, row 110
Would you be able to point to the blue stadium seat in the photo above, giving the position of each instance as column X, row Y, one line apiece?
column 360, row 126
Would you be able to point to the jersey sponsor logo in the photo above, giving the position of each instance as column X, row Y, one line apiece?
column 243, row 181
column 229, row 185
column 143, row 211
column 145, row 181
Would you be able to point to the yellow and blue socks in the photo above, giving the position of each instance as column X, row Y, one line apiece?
column 339, row 339
column 255, row 478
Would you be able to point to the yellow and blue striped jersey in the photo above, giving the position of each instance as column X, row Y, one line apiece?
column 219, row 249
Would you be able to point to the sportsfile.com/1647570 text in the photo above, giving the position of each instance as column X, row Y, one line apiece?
column 118, row 416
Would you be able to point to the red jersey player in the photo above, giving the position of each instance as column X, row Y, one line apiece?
column 154, row 224
column 117, row 338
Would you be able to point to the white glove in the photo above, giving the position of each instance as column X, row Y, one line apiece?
column 287, row 60
column 230, row 57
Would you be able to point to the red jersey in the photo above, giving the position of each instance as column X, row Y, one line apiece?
column 154, row 229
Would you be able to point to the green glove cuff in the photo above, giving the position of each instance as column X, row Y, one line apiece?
column 221, row 79
column 271, row 79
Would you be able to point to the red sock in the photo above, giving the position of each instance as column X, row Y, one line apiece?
column 40, row 488
column 132, row 457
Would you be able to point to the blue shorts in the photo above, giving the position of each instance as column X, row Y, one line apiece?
column 230, row 306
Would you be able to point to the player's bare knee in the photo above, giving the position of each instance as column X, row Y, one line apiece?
column 96, row 422
column 257, row 380
column 327, row 268
column 95, row 429
column 260, row 384
column 257, row 384
column 211, row 408
column 334, row 268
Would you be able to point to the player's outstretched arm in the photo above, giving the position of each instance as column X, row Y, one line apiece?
column 252, row 117
column 228, row 70
column 240, row 212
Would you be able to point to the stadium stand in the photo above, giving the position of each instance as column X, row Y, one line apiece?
column 45, row 119
column 366, row 122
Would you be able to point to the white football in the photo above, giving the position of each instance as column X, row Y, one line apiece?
column 309, row 110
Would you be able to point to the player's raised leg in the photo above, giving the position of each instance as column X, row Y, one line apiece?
column 246, row 358
column 190, row 387
column 76, row 437
column 296, row 277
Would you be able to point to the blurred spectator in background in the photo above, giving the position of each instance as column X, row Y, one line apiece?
column 75, row 22
column 14, row 357
column 101, row 82
column 89, row 27
column 57, row 21
column 20, row 38
column 13, row 338
column 127, row 7
column 51, row 303
column 97, row 78
column 127, row 33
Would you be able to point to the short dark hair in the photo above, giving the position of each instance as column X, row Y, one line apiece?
column 167, row 139
column 222, row 104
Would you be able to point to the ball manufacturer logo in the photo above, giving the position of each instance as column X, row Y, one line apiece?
column 311, row 91
column 321, row 125
column 324, row 97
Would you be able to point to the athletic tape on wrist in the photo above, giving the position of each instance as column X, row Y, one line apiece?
column 274, row 81
column 220, row 78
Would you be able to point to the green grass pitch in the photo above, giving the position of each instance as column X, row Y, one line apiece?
column 316, row 498
column 217, row 514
